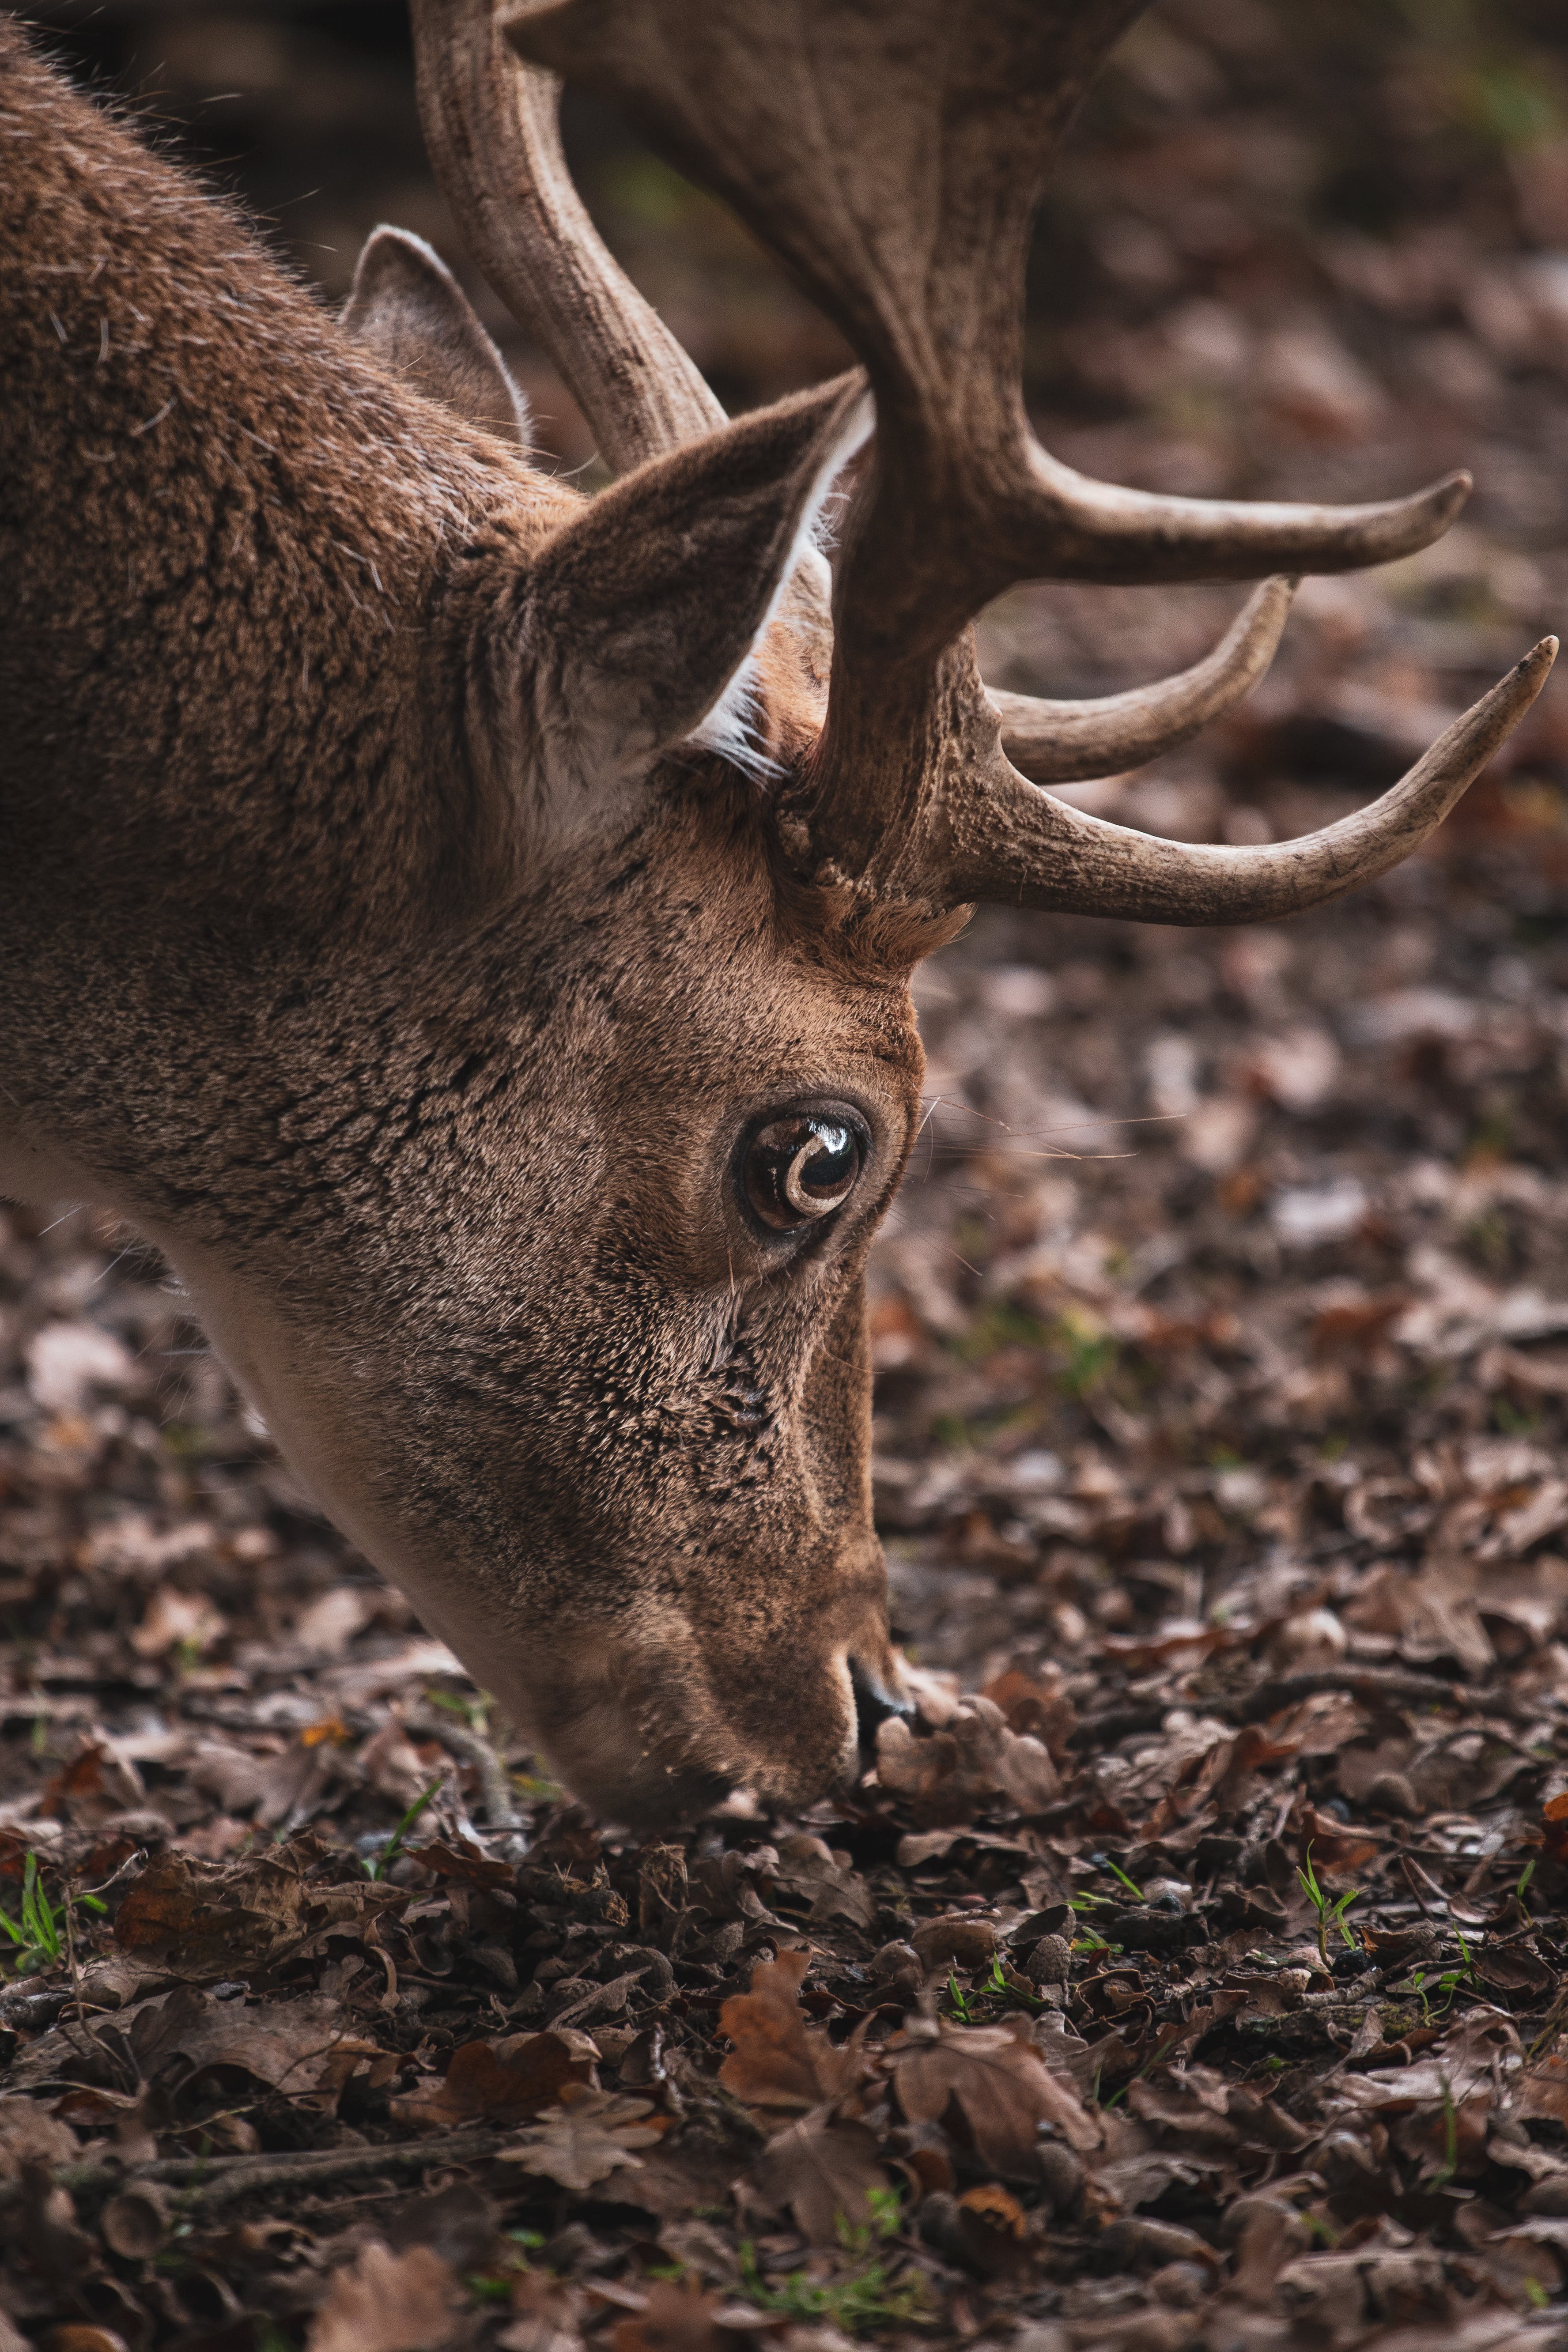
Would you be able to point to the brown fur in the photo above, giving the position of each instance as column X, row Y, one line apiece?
column 422, row 1057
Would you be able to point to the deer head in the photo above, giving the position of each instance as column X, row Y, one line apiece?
column 469, row 925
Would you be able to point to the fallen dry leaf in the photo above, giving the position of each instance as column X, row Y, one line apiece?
column 388, row 2303
column 675, row 2318
column 823, row 2174
column 1554, row 1819
column 594, row 2134
column 975, row 1755
column 30, row 2135
column 1543, row 2091
column 991, row 2229
column 172, row 1616
column 1003, row 2085
column 549, row 2315
column 95, row 1785
column 290, row 2044
column 215, row 1919
column 778, row 2060
column 462, row 1861
column 481, row 2084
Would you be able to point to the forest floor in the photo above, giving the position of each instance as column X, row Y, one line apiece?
column 1194, row 1976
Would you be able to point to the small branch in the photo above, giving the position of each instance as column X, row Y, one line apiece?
column 216, row 2180
column 1119, row 1723
column 1345, row 1996
column 1386, row 1683
column 1389, row 1684
column 501, row 1806
column 1413, row 1876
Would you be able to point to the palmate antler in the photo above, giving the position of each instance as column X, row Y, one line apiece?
column 891, row 153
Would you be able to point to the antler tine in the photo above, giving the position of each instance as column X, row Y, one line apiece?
column 892, row 155
column 1014, row 843
column 492, row 125
column 1060, row 742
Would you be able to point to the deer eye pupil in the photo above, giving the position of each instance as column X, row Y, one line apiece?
column 800, row 1169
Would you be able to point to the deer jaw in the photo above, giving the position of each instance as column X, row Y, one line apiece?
column 511, row 1324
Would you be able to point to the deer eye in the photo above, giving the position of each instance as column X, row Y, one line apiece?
column 799, row 1169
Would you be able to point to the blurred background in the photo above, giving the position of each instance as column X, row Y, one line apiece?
column 1230, row 1265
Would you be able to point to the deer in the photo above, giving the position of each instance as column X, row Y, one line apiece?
column 465, row 925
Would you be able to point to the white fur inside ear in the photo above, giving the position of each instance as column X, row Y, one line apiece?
column 729, row 728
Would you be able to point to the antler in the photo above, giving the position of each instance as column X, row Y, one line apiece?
column 1033, row 850
column 892, row 155
column 494, row 136
column 1060, row 742
column 492, row 128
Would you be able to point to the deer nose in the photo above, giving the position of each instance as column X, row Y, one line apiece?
column 874, row 1703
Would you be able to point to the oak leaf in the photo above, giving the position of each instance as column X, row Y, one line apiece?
column 482, row 2084
column 824, row 2173
column 549, row 2313
column 975, row 1756
column 1512, row 1969
column 808, row 1874
column 778, row 2060
column 30, row 2135
column 989, row 2231
column 457, row 2222
column 462, row 1859
column 1542, row 2092
column 388, row 2303
column 295, row 2046
column 1002, row 2084
column 594, row 2134
column 1000, row 2210
column 93, row 1787
column 674, row 2319
column 223, row 1920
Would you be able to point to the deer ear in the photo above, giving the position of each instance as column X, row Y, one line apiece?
column 408, row 309
column 640, row 615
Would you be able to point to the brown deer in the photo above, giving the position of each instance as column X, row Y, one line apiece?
column 466, row 925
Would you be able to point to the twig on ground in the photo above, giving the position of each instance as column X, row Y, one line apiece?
column 501, row 1806
column 1387, row 1683
column 215, row 2179
column 1422, row 1905
column 1280, row 1691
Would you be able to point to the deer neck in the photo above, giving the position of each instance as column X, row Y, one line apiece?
column 223, row 549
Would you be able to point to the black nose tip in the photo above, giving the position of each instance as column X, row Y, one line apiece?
column 873, row 1706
